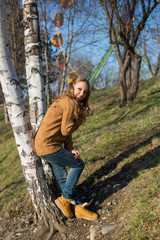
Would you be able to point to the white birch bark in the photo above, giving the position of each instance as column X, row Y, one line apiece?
column 35, row 82
column 15, row 102
column 34, row 75
column 31, row 164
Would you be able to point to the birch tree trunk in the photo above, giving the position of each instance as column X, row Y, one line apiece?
column 42, row 197
column 34, row 74
column 37, row 103
column 46, row 34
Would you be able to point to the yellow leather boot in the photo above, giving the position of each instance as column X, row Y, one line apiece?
column 82, row 212
column 64, row 205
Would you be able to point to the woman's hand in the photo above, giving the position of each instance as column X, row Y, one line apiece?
column 85, row 111
column 75, row 153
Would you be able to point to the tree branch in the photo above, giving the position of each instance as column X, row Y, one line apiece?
column 126, row 43
column 143, row 21
column 110, row 26
column 143, row 7
column 121, row 34
column 146, row 57
column 158, row 65
column 149, row 3
column 112, row 32
column 158, row 40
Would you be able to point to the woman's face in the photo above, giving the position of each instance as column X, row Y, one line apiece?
column 80, row 90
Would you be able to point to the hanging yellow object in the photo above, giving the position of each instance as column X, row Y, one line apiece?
column 58, row 19
column 66, row 3
column 60, row 60
column 57, row 40
column 72, row 76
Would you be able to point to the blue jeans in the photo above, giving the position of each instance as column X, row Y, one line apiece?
column 67, row 181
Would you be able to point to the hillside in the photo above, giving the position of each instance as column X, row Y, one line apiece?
column 121, row 149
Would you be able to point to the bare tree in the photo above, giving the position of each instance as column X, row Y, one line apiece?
column 76, row 21
column 2, row 101
column 126, row 21
column 46, row 10
column 15, row 36
column 153, row 70
column 68, row 48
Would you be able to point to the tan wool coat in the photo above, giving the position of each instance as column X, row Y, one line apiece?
column 57, row 127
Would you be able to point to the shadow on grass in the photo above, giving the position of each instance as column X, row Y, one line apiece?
column 13, row 185
column 110, row 185
column 10, row 191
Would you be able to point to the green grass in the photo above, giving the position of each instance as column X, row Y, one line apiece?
column 108, row 134
column 110, row 128
column 11, row 176
column 144, row 206
column 132, row 131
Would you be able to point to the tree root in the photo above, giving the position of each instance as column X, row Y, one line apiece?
column 14, row 232
column 52, row 218
column 51, row 233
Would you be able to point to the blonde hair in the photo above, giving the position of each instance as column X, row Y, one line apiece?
column 70, row 92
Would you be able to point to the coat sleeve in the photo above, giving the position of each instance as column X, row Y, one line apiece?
column 68, row 144
column 69, row 123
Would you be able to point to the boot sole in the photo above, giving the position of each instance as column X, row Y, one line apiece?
column 59, row 206
column 87, row 218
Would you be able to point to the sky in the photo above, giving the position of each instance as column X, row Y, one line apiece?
column 101, row 43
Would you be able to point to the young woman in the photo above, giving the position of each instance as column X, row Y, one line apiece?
column 53, row 143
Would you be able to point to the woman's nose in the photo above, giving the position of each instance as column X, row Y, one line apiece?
column 81, row 93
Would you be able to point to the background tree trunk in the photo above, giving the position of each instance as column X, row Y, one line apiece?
column 122, row 78
column 157, row 67
column 128, row 91
column 129, row 76
column 122, row 85
column 6, row 116
column 46, row 39
column 133, row 89
column 15, row 36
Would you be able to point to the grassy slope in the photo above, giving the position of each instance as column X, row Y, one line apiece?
column 11, row 176
column 132, row 131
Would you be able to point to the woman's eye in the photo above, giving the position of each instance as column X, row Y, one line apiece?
column 79, row 89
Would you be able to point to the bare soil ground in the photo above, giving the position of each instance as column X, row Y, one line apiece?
column 106, row 184
column 107, row 191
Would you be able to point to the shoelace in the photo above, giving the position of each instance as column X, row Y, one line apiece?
column 68, row 208
column 64, row 202
column 87, row 211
